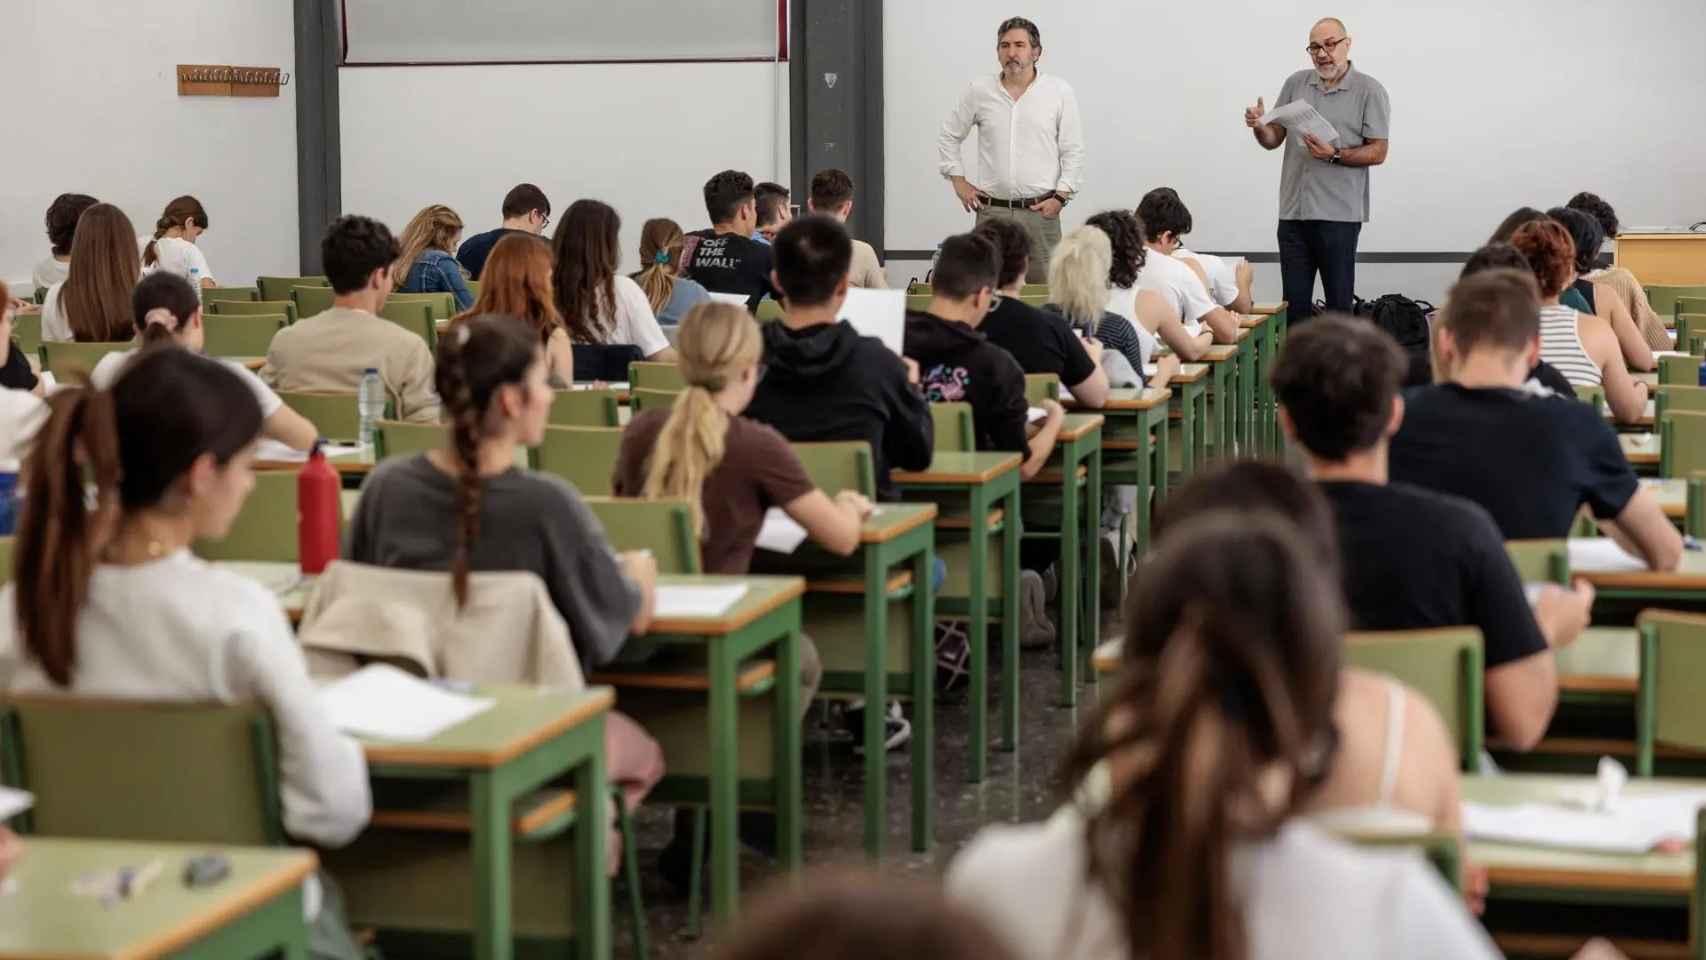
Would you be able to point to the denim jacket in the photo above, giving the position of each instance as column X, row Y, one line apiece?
column 438, row 272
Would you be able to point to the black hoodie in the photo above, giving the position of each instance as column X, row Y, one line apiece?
column 828, row 383
column 957, row 364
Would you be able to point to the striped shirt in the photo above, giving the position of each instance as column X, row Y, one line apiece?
column 1561, row 346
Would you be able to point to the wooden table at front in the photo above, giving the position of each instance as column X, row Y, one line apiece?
column 986, row 486
column 254, row 912
column 1076, row 465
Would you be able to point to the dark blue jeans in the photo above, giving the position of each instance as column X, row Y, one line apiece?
column 1310, row 246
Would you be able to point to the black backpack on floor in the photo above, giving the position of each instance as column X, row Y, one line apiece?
column 1405, row 321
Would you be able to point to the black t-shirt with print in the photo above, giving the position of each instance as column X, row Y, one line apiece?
column 956, row 364
column 1039, row 340
column 730, row 263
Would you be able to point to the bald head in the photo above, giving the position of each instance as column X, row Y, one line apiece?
column 1334, row 22
column 1329, row 48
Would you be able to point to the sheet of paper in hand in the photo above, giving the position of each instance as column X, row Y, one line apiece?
column 1298, row 115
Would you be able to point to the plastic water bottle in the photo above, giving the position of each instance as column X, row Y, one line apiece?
column 1703, row 373
column 370, row 402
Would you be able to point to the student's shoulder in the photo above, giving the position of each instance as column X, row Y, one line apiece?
column 227, row 591
column 752, row 436
column 1443, row 513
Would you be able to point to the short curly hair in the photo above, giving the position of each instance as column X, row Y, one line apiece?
column 1550, row 253
column 1125, row 234
column 1595, row 207
column 1161, row 211
column 1585, row 231
column 61, row 220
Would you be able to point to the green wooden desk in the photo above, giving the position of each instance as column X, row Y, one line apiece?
column 1261, row 367
column 1190, row 410
column 1687, row 583
column 255, row 912
column 766, row 617
column 1244, row 422
column 1274, row 314
column 1682, row 500
column 1074, row 475
column 986, row 487
column 1135, row 439
column 1642, row 451
column 1643, row 424
column 1602, row 666
column 1222, row 360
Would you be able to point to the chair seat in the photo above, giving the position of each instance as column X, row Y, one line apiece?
column 753, row 677
column 1115, row 443
column 1053, row 475
column 446, row 810
column 963, row 521
column 898, row 580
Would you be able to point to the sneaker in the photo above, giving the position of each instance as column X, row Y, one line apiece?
column 1113, row 578
column 897, row 730
column 1051, row 583
column 1035, row 628
column 953, row 654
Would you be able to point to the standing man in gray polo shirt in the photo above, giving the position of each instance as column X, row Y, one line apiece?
column 1323, row 200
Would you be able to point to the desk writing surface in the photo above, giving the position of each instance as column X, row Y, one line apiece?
column 1248, row 320
column 1243, row 333
column 1605, row 654
column 890, row 520
column 1190, row 373
column 1220, row 352
column 1268, row 309
column 1690, row 574
column 520, row 718
column 1672, row 495
column 1134, row 398
column 43, row 919
column 763, row 594
column 1640, row 449
column 959, row 469
column 1076, row 425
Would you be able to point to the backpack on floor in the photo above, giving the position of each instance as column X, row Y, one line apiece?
column 1405, row 321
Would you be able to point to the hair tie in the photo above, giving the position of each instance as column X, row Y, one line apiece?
column 662, row 256
column 161, row 316
column 462, row 335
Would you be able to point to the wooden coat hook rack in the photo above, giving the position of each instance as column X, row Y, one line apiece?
column 207, row 80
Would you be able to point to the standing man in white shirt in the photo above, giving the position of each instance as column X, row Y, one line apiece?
column 1030, row 143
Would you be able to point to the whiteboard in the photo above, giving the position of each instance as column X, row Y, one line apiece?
column 1495, row 104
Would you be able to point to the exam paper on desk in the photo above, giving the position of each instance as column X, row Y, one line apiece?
column 382, row 702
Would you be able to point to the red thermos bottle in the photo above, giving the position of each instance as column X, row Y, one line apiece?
column 317, row 492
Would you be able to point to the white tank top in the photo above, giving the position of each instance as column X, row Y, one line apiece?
column 1561, row 346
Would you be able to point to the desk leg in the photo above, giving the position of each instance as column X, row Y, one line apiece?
column 1010, row 618
column 977, row 631
column 1198, row 393
column 1265, row 370
column 1150, row 450
column 1071, row 576
column 1093, row 560
column 1246, row 397
column 725, row 784
column 273, row 929
column 876, row 703
column 490, row 808
column 1159, row 481
column 1187, row 432
column 1222, row 410
column 592, row 886
column 924, row 702
column 788, row 748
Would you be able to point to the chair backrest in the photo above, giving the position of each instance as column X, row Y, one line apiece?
column 1443, row 665
column 393, row 438
column 26, row 329
column 1042, row 386
column 262, row 307
column 443, row 304
column 236, row 335
column 1034, row 290
column 473, row 288
column 311, row 299
column 665, row 527
column 1663, row 298
column 6, row 559
column 769, row 310
column 64, row 359
column 210, row 295
column 130, row 770
column 604, row 361
column 584, row 456
column 584, row 408
column 954, row 431
column 1540, row 561
column 1668, row 706
column 278, row 288
column 838, row 466
column 333, row 414
column 1682, row 442
column 1679, row 371
column 1440, row 849
column 917, row 301
column 265, row 529
column 414, row 316
column 640, row 401
column 1694, row 305
column 645, row 375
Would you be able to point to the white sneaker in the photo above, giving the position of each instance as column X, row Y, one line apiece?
column 1035, row 628
column 897, row 730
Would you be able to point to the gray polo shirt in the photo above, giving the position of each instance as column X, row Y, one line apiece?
column 1359, row 109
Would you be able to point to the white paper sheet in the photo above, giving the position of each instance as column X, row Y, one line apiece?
column 1299, row 115
column 1602, row 555
column 1641, row 442
column 738, row 299
column 381, row 702
column 878, row 313
column 678, row 600
column 1635, row 825
column 14, row 802
column 780, row 533
column 271, row 450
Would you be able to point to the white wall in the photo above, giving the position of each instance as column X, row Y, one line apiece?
column 93, row 107
column 642, row 137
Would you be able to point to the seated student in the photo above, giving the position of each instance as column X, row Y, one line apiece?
column 822, row 380
column 1618, row 280
column 61, row 220
column 956, row 363
column 1580, row 345
column 1530, row 461
column 1146, row 310
column 1165, row 219
column 470, row 508
column 92, row 305
column 518, row 283
column 726, row 258
column 1078, row 284
column 329, row 352
column 167, row 310
column 1585, row 232
column 1228, row 281
column 1497, row 256
column 173, row 248
column 1182, row 834
column 21, row 409
column 599, row 305
column 1039, row 340
column 167, row 452
column 15, row 370
column 832, row 196
column 426, row 262
column 1525, row 215
column 526, row 211
column 1414, row 558
column 774, row 210
column 669, row 294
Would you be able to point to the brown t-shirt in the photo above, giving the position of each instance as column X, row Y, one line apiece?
column 758, row 471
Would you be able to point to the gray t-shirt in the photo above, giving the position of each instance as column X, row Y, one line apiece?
column 1360, row 111
column 528, row 521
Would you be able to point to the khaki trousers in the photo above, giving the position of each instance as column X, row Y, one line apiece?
column 1044, row 233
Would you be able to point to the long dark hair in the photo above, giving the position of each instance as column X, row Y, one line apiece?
column 160, row 306
column 1225, row 698
column 133, row 443
column 177, row 215
column 586, row 249
column 1125, row 234
column 476, row 357
column 104, row 268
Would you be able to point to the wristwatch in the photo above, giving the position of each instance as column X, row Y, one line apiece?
column 1064, row 199
column 1334, row 159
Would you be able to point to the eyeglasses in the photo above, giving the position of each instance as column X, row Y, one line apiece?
column 1315, row 49
column 544, row 220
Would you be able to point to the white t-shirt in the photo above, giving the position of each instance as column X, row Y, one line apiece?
column 178, row 256
column 635, row 322
column 1303, row 895
column 55, row 326
column 49, row 272
column 178, row 629
column 110, row 366
column 1123, row 301
column 21, row 413
column 1178, row 285
column 1222, row 273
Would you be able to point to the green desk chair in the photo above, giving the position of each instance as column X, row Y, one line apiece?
column 769, row 310
column 1033, row 299
column 1679, row 371
column 642, row 401
column 1668, row 706
column 265, row 308
column 333, row 414
column 584, row 456
column 26, row 329
column 1682, row 441
column 1042, row 386
column 917, row 302
column 1439, row 849
column 414, row 316
column 1663, row 298
column 646, row 375
column 1034, row 290
column 838, row 466
column 1690, row 306
column 474, row 289
column 1680, row 398
column 1590, row 394
column 6, row 544
column 211, row 295
column 63, row 360
column 918, row 288
column 443, row 304
column 79, row 755
column 953, row 427
column 265, row 529
column 278, row 288
column 1444, row 665
column 584, row 408
column 237, row 335
column 665, row 527
column 1540, row 561
column 1690, row 328
column 311, row 300
column 393, row 438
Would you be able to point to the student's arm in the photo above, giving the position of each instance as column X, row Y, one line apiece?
column 452, row 273
column 641, row 569
column 1521, row 696
column 1246, row 277
column 1636, row 353
column 1626, row 396
column 1154, row 313
column 1522, row 681
column 909, row 436
column 289, row 428
column 1084, row 362
column 560, row 357
column 832, row 524
column 417, row 398
column 602, row 596
column 1642, row 528
column 1223, row 325
column 1165, row 367
column 1041, row 444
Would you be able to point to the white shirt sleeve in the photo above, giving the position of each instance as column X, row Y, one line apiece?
column 1071, row 138
column 1222, row 277
column 55, row 327
column 269, row 401
column 955, row 129
column 196, row 262
column 635, row 322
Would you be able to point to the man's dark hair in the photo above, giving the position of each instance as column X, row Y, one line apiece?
column 62, row 217
column 724, row 193
column 1336, row 379
column 354, row 247
column 967, row 263
column 830, row 189
column 1498, row 308
column 1125, row 235
column 1012, row 244
column 772, row 199
column 1494, row 256
column 1161, row 211
column 1585, row 231
column 812, row 256
column 524, row 198
column 1020, row 23
column 1593, row 206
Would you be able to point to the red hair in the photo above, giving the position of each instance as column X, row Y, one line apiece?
column 1550, row 252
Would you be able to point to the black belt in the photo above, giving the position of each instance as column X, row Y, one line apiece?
column 989, row 201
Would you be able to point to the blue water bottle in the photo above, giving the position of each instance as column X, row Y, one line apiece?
column 1703, row 373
